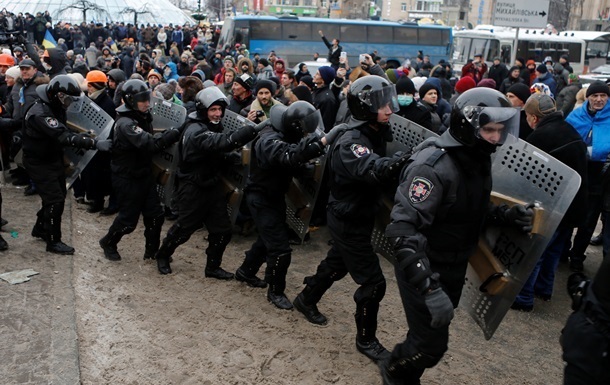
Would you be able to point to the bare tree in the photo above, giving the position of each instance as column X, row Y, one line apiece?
column 84, row 6
column 136, row 12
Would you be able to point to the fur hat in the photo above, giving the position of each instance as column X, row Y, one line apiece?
column 190, row 85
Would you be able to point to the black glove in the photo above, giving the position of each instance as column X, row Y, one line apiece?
column 521, row 216
column 440, row 307
column 169, row 137
column 311, row 150
column 82, row 141
column 394, row 166
column 104, row 145
column 243, row 136
column 334, row 133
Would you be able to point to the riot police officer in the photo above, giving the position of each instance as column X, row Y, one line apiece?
column 44, row 137
column 359, row 169
column 204, row 154
column 439, row 210
column 281, row 150
column 132, row 178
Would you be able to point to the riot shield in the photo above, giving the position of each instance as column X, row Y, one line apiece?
column 406, row 136
column 506, row 257
column 84, row 117
column 303, row 193
column 235, row 176
column 166, row 115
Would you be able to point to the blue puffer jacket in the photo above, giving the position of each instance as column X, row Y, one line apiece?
column 584, row 123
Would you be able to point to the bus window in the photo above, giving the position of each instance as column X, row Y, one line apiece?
column 266, row 30
column 493, row 50
column 405, row 35
column 241, row 35
column 331, row 31
column 297, row 31
column 480, row 46
column 379, row 34
column 505, row 51
column 429, row 36
column 574, row 52
column 353, row 33
column 597, row 49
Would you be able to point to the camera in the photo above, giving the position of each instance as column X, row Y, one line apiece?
column 259, row 114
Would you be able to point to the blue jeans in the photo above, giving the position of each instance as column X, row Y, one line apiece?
column 543, row 276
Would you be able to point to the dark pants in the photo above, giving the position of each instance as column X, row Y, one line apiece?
column 586, row 350
column 97, row 177
column 585, row 232
column 198, row 206
column 351, row 253
column 271, row 246
column 425, row 346
column 136, row 196
column 50, row 180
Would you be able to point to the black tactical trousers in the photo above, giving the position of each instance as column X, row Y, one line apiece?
column 136, row 196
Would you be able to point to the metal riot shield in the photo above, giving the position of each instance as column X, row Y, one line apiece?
column 235, row 176
column 84, row 117
column 303, row 193
column 406, row 135
column 166, row 115
column 506, row 257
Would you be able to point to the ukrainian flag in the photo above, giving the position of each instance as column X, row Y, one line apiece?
column 49, row 41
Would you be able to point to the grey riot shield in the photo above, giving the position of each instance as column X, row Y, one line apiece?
column 235, row 175
column 303, row 193
column 406, row 136
column 84, row 117
column 506, row 257
column 166, row 115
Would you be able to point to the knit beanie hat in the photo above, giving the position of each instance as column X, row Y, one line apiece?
column 487, row 82
column 418, row 81
column 166, row 90
column 245, row 81
column 308, row 80
column 13, row 72
column 598, row 88
column 464, row 84
column 405, row 86
column 541, row 68
column 393, row 74
column 327, row 73
column 426, row 87
column 303, row 93
column 268, row 84
column 530, row 62
column 520, row 90
column 264, row 62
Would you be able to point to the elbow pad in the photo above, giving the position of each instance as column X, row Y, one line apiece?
column 416, row 267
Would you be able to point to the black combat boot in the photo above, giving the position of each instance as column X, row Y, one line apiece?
column 217, row 243
column 163, row 260
column 176, row 236
column 152, row 234
column 38, row 231
column 52, row 216
column 306, row 304
column 109, row 244
column 366, row 325
column 3, row 244
column 252, row 281
column 275, row 275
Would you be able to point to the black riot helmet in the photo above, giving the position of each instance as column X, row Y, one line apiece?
column 370, row 93
column 483, row 112
column 208, row 97
column 134, row 91
column 296, row 120
column 62, row 90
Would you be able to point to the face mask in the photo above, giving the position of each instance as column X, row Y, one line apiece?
column 46, row 66
column 405, row 100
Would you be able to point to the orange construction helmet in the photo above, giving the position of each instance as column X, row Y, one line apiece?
column 96, row 76
column 7, row 60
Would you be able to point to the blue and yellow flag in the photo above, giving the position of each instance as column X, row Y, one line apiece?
column 49, row 41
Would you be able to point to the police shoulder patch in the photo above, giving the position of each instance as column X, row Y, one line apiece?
column 137, row 129
column 420, row 189
column 360, row 150
column 51, row 122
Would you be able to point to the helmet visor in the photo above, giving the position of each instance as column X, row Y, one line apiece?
column 493, row 124
column 68, row 100
column 378, row 99
column 310, row 123
column 143, row 96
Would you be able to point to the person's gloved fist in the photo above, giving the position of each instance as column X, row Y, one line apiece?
column 334, row 133
column 521, row 216
column 440, row 307
column 104, row 145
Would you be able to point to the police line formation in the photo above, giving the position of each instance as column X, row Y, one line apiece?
column 256, row 132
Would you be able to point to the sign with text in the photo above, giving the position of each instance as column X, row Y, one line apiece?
column 521, row 13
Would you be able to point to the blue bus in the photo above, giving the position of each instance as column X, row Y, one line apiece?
column 295, row 39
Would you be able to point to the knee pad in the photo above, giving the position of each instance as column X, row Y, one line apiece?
column 370, row 293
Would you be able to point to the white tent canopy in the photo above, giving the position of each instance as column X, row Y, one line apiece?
column 103, row 11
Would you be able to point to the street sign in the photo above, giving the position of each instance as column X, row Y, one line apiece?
column 521, row 13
